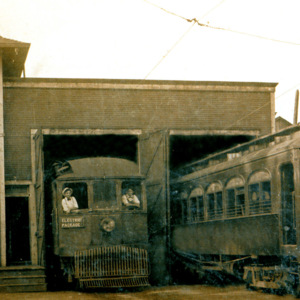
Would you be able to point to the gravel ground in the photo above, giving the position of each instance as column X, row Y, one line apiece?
column 185, row 292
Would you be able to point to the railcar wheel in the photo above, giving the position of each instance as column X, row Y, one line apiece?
column 249, row 281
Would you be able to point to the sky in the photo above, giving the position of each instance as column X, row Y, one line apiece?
column 153, row 39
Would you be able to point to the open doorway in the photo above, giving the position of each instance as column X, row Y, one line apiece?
column 186, row 149
column 17, row 231
column 63, row 148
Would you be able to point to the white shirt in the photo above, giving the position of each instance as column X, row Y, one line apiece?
column 126, row 199
column 68, row 205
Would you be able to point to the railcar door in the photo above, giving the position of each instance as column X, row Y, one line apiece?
column 288, row 220
column 154, row 165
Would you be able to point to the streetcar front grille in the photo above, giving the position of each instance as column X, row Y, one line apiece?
column 113, row 263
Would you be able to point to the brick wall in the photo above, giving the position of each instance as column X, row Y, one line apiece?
column 73, row 108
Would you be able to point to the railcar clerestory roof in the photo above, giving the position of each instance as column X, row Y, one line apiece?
column 101, row 167
column 265, row 146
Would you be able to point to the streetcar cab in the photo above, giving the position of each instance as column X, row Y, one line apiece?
column 102, row 194
column 100, row 221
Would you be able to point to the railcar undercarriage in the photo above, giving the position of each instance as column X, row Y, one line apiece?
column 276, row 274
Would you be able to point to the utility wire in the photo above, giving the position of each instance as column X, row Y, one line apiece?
column 249, row 114
column 262, row 106
column 168, row 52
column 243, row 33
column 221, row 28
column 295, row 86
column 180, row 39
column 195, row 21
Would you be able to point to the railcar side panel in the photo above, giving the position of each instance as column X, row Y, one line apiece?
column 229, row 237
column 238, row 212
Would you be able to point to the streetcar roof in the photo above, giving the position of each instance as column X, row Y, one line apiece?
column 259, row 148
column 101, row 167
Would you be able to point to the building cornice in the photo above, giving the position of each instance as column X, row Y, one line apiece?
column 141, row 85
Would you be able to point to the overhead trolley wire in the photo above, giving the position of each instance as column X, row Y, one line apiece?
column 195, row 20
column 168, row 52
column 181, row 38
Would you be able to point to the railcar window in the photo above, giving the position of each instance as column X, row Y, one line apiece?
column 230, row 207
column 105, row 194
column 201, row 208
column 184, row 210
column 235, row 202
column 136, row 188
column 214, row 201
column 183, row 200
column 193, row 209
column 260, row 198
column 176, row 207
column 235, row 197
column 196, row 205
column 260, row 193
column 266, row 197
column 79, row 192
column 240, row 201
column 219, row 205
column 211, row 206
column 254, row 199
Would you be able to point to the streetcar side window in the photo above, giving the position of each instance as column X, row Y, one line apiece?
column 240, row 201
column 201, row 208
column 211, row 205
column 184, row 211
column 260, row 193
column 219, row 205
column 183, row 196
column 214, row 201
column 193, row 209
column 176, row 207
column 196, row 205
column 235, row 202
column 254, row 200
column 230, row 207
column 266, row 196
column 105, row 194
column 79, row 192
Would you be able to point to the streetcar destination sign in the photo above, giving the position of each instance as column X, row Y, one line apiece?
column 72, row 222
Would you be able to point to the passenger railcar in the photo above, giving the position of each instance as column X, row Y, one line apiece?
column 238, row 211
column 103, row 243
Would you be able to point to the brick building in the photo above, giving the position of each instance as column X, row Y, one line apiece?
column 150, row 121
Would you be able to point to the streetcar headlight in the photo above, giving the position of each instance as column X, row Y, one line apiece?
column 108, row 224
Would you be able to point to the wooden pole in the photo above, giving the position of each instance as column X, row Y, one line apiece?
column 272, row 100
column 296, row 108
column 2, row 176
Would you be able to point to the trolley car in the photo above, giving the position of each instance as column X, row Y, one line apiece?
column 103, row 243
column 238, row 211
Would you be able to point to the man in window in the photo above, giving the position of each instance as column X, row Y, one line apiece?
column 130, row 199
column 69, row 203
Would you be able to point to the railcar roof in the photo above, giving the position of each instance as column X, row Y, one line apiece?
column 100, row 167
column 256, row 149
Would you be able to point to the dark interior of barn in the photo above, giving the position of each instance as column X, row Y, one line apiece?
column 61, row 148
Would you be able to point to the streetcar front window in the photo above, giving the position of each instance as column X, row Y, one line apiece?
column 131, row 194
column 79, row 192
column 105, row 194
